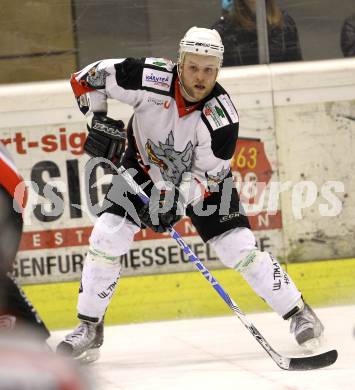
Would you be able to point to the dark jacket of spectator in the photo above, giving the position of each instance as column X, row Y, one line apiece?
column 241, row 45
column 348, row 37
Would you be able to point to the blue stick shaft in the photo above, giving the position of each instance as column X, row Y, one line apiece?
column 176, row 236
column 283, row 362
column 208, row 276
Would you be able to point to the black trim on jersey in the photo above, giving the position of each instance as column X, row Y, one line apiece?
column 129, row 73
column 223, row 140
column 224, row 110
column 155, row 67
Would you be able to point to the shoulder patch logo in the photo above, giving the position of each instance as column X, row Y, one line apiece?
column 215, row 114
column 229, row 107
column 97, row 78
column 157, row 79
column 160, row 62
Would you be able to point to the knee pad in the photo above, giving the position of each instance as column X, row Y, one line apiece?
column 112, row 235
column 237, row 249
column 100, row 258
column 232, row 247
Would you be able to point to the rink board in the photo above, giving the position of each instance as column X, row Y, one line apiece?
column 189, row 295
column 288, row 113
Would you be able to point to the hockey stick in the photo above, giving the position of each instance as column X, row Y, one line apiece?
column 286, row 363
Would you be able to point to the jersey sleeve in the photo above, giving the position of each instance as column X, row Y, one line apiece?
column 124, row 80
column 217, row 139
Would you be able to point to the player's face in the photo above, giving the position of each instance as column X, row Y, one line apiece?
column 198, row 75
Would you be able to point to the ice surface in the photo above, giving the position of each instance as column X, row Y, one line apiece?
column 219, row 353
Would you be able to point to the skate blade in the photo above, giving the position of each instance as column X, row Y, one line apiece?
column 313, row 345
column 89, row 356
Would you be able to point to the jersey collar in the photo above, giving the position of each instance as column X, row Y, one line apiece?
column 183, row 109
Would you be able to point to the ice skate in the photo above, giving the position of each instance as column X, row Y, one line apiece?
column 307, row 328
column 84, row 342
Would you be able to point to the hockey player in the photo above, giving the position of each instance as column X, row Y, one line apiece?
column 16, row 312
column 181, row 139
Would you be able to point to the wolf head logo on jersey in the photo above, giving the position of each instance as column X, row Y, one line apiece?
column 171, row 162
column 96, row 78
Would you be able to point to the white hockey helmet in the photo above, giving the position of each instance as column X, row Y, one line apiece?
column 202, row 41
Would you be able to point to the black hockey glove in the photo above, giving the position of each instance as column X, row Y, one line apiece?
column 163, row 210
column 106, row 138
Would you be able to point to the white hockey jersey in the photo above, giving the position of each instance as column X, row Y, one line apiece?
column 178, row 144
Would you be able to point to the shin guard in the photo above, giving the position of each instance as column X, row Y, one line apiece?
column 268, row 279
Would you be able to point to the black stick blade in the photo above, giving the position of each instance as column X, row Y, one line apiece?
column 313, row 362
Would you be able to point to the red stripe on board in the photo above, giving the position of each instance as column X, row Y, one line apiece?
column 70, row 237
column 48, row 239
